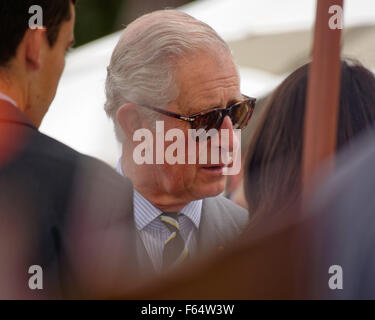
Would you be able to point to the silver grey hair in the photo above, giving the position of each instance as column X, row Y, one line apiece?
column 143, row 63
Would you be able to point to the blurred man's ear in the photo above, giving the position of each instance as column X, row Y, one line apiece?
column 33, row 47
column 129, row 119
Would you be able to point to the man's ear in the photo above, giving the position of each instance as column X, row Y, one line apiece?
column 129, row 119
column 33, row 47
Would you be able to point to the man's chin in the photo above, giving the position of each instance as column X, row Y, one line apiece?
column 209, row 190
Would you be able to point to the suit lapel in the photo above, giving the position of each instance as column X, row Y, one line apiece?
column 105, row 244
column 209, row 235
column 142, row 260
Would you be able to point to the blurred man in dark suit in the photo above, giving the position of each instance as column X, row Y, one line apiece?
column 325, row 252
column 54, row 202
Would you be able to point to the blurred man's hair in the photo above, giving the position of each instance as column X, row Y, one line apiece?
column 14, row 22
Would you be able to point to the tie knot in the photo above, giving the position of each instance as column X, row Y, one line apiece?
column 173, row 215
column 170, row 219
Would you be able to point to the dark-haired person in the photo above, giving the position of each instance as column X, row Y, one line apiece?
column 273, row 167
column 47, row 190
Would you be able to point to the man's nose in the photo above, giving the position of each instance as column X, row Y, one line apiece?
column 226, row 130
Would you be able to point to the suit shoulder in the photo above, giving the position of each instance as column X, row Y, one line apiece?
column 93, row 169
column 60, row 154
column 51, row 148
column 227, row 210
column 229, row 204
column 56, row 162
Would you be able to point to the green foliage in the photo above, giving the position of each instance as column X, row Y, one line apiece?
column 96, row 18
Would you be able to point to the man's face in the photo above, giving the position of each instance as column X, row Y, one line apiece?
column 205, row 80
column 52, row 65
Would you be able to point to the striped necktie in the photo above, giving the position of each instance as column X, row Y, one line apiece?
column 175, row 251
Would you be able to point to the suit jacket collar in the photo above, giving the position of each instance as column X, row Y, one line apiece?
column 11, row 114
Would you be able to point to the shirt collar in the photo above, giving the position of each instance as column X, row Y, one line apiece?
column 6, row 98
column 119, row 167
column 145, row 212
column 193, row 211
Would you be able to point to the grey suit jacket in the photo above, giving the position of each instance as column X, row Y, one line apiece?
column 221, row 221
column 113, row 257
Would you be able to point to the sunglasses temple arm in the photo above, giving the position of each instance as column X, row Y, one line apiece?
column 168, row 113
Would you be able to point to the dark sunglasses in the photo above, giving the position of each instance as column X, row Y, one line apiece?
column 239, row 112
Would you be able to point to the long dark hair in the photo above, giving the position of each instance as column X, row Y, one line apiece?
column 273, row 165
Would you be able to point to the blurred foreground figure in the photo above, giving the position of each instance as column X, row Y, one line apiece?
column 344, row 207
column 55, row 204
column 326, row 252
column 171, row 74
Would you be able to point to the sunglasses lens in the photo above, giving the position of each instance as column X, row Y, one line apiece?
column 210, row 120
column 205, row 122
column 240, row 114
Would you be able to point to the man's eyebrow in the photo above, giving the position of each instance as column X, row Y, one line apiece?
column 229, row 103
column 217, row 105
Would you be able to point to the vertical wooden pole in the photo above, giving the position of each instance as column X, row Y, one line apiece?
column 323, row 92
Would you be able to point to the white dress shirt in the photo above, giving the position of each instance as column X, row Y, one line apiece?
column 6, row 98
column 154, row 233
